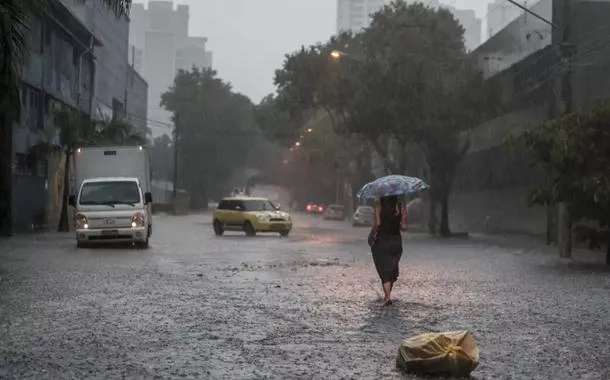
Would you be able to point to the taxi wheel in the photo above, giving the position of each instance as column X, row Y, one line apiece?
column 285, row 233
column 249, row 229
column 218, row 230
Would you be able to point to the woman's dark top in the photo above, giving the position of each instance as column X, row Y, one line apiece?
column 390, row 221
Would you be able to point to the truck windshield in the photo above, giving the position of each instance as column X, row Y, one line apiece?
column 110, row 193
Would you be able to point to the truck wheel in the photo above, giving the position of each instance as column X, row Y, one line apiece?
column 218, row 230
column 249, row 229
column 143, row 244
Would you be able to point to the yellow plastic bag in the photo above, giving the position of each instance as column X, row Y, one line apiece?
column 453, row 353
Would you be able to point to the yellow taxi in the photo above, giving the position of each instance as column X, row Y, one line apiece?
column 250, row 215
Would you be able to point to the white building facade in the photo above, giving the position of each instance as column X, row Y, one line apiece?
column 160, row 46
column 500, row 13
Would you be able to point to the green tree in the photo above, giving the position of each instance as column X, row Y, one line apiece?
column 214, row 126
column 310, row 81
column 77, row 129
column 405, row 82
column 425, row 89
column 275, row 123
column 162, row 158
column 13, row 26
column 575, row 153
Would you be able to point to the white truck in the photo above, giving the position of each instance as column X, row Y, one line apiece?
column 113, row 200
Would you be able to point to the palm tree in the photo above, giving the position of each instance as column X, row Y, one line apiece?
column 12, row 47
column 13, row 25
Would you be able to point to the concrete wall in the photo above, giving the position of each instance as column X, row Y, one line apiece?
column 111, row 75
column 591, row 81
column 111, row 65
column 137, row 101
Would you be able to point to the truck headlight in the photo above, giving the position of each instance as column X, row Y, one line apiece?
column 138, row 220
column 81, row 222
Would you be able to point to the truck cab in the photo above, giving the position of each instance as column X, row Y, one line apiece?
column 112, row 210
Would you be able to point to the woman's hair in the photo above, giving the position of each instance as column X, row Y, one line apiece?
column 388, row 206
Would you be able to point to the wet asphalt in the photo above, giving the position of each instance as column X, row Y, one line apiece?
column 303, row 307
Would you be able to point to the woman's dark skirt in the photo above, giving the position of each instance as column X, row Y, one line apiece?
column 387, row 251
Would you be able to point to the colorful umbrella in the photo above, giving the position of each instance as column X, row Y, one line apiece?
column 392, row 185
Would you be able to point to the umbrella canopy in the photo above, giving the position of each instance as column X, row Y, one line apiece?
column 392, row 185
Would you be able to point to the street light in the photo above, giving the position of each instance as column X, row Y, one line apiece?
column 309, row 130
column 298, row 143
column 338, row 54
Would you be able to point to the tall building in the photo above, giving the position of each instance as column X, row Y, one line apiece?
column 499, row 14
column 471, row 24
column 355, row 15
column 160, row 46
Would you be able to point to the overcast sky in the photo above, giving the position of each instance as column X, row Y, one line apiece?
column 250, row 37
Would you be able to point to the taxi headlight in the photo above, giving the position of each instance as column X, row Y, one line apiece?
column 81, row 222
column 138, row 220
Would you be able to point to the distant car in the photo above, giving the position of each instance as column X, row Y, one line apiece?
column 314, row 208
column 335, row 212
column 363, row 216
column 250, row 215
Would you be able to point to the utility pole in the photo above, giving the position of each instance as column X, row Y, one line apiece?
column 562, row 11
column 175, row 187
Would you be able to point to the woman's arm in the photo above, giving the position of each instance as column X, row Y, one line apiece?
column 404, row 224
column 375, row 226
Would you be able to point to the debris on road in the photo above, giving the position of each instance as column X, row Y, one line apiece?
column 453, row 354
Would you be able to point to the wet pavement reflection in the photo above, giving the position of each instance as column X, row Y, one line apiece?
column 303, row 307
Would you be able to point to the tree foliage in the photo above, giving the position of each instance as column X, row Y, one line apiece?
column 162, row 158
column 405, row 81
column 214, row 127
column 575, row 152
column 275, row 123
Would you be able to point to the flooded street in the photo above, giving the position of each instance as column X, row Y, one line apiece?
column 303, row 307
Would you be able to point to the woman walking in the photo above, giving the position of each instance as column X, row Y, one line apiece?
column 386, row 241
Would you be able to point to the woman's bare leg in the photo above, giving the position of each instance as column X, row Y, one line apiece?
column 387, row 290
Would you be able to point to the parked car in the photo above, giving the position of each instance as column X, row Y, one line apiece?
column 335, row 212
column 251, row 215
column 363, row 216
column 314, row 208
